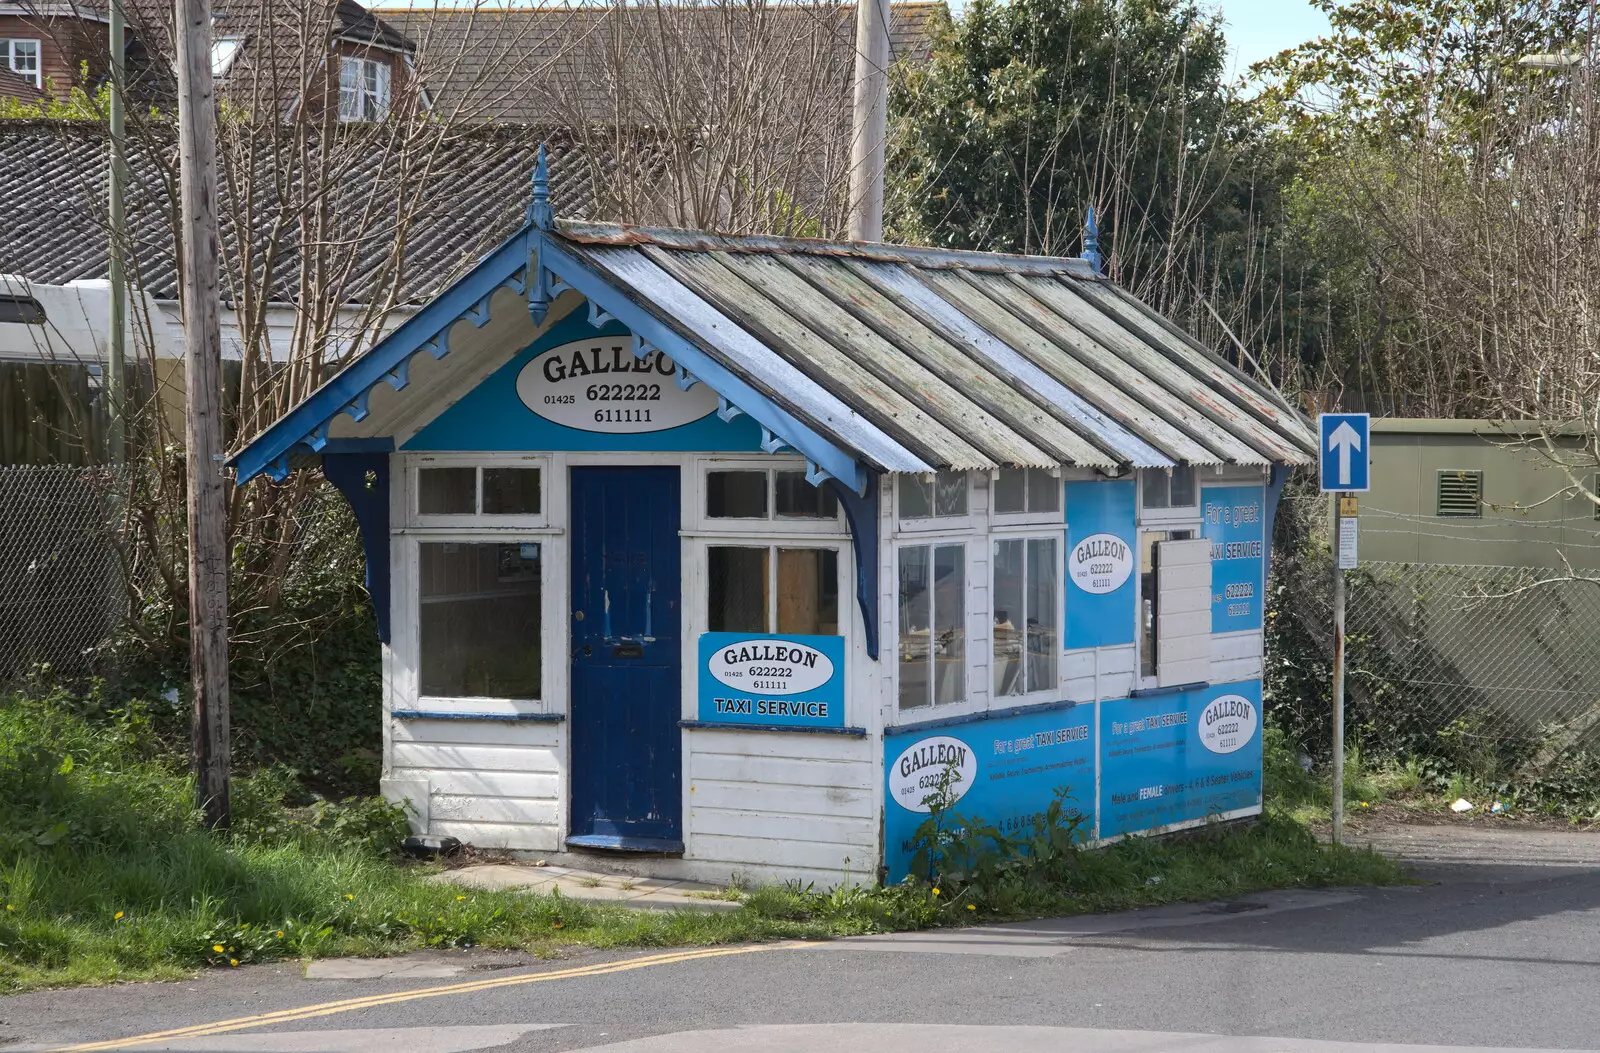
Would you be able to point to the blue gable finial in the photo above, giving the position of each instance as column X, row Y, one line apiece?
column 1091, row 243
column 540, row 213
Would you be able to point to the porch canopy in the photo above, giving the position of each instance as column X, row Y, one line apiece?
column 863, row 358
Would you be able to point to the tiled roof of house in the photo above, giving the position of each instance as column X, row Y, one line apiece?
column 559, row 61
column 473, row 192
column 18, row 88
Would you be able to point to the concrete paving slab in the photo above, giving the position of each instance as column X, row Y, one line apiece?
column 645, row 893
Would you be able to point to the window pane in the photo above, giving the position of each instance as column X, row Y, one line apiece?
column 797, row 499
column 447, row 491
column 950, row 494
column 949, row 624
column 479, row 620
column 1043, row 665
column 808, row 591
column 1008, row 615
column 1147, row 599
column 510, row 491
column 1044, row 491
column 1010, row 491
column 916, row 610
column 737, row 590
column 916, row 497
column 1153, row 488
column 736, row 495
column 1182, row 487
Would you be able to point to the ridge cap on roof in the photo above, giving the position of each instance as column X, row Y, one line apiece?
column 586, row 232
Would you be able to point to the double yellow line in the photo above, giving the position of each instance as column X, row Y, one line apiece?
column 284, row 1016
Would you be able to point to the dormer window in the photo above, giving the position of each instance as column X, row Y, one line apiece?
column 363, row 89
column 22, row 58
column 223, row 51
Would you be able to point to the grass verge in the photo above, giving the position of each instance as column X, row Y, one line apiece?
column 106, row 874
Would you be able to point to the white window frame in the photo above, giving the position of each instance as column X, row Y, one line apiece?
column 35, row 76
column 371, row 97
column 224, row 52
column 843, row 554
column 1054, row 689
column 772, row 526
column 550, row 606
column 974, row 557
column 1000, row 520
column 1179, row 516
column 969, row 523
column 477, row 520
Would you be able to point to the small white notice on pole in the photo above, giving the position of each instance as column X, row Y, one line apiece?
column 1347, row 542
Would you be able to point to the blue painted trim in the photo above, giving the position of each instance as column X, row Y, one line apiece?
column 348, row 472
column 973, row 718
column 1091, row 244
column 861, row 510
column 1154, row 692
column 734, row 389
column 503, row 718
column 377, row 444
column 626, row 844
column 300, row 426
column 712, row 725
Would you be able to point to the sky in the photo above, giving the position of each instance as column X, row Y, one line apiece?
column 1258, row 29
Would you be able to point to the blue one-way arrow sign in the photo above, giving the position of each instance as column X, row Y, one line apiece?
column 1345, row 455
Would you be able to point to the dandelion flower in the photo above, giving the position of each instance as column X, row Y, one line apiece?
column 349, row 895
column 233, row 962
column 278, row 934
column 971, row 907
column 217, row 947
column 11, row 906
column 935, row 892
column 117, row 916
column 460, row 898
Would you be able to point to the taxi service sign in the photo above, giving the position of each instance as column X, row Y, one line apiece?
column 788, row 680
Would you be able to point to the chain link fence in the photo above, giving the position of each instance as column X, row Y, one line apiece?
column 61, row 590
column 1506, row 654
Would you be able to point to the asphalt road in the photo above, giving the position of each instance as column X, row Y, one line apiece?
column 1504, row 957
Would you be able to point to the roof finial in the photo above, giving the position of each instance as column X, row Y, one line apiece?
column 539, row 212
column 1091, row 243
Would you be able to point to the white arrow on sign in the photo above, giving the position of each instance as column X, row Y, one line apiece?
column 1344, row 439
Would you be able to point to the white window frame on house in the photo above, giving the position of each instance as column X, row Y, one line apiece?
column 365, row 89
column 968, row 521
column 476, row 520
column 1184, row 519
column 8, row 52
column 844, row 572
column 1050, row 690
column 972, row 699
column 771, row 525
column 1029, row 515
column 224, row 50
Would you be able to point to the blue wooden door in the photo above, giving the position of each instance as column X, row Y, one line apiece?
column 626, row 612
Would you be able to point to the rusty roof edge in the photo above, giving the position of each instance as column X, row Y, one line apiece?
column 585, row 232
column 1305, row 438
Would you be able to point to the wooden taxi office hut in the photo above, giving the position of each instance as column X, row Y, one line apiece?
column 606, row 449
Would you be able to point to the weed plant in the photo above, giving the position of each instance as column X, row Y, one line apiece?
column 106, row 873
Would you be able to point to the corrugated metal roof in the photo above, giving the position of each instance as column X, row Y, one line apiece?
column 919, row 358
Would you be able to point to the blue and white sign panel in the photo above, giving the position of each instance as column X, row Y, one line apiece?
column 1234, row 521
column 1102, row 583
column 1346, row 452
column 1179, row 758
column 796, row 681
column 1006, row 770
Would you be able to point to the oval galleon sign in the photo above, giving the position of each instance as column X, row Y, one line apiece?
column 1100, row 563
column 598, row 385
column 770, row 667
column 1228, row 723
column 922, row 769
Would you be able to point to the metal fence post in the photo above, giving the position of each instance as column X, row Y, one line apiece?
column 1338, row 670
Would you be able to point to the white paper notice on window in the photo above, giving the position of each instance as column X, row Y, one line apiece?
column 1347, row 543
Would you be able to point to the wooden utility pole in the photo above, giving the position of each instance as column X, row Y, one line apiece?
column 202, row 335
column 116, row 179
column 871, row 120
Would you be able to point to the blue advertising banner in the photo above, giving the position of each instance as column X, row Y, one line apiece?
column 1101, row 563
column 1179, row 757
column 1234, row 521
column 748, row 678
column 1009, row 770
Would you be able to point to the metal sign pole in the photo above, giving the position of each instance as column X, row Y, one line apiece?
column 1338, row 668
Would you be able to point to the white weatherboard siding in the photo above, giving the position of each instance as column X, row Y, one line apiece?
column 1183, row 612
column 776, row 806
column 1236, row 656
column 491, row 784
column 1100, row 673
